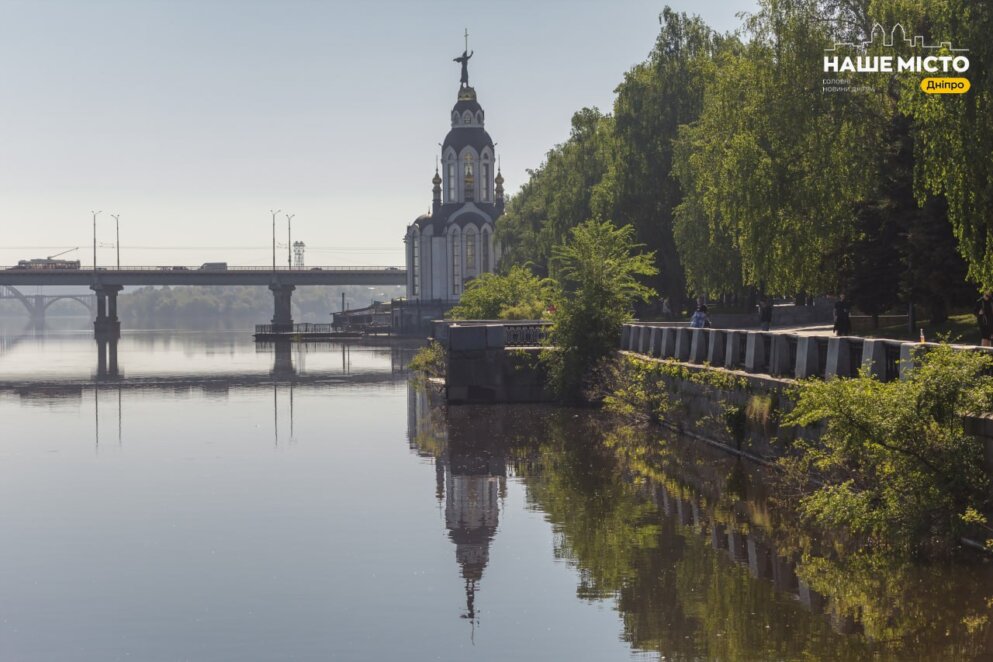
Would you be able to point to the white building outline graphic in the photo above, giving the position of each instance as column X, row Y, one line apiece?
column 879, row 34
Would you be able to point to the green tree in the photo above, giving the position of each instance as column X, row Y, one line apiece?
column 597, row 275
column 518, row 294
column 653, row 100
column 557, row 196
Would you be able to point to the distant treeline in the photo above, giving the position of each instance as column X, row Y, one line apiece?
column 309, row 303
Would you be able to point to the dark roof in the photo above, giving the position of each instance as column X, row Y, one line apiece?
column 464, row 105
column 469, row 136
column 440, row 219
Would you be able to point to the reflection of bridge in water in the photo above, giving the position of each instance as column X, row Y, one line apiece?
column 109, row 382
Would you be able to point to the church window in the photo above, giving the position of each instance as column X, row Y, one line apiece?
column 468, row 165
column 470, row 252
column 456, row 264
column 451, row 181
column 486, row 181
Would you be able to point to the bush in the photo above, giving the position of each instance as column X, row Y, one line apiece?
column 430, row 360
column 595, row 274
column 517, row 295
column 895, row 466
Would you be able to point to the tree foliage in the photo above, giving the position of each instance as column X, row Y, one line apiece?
column 518, row 294
column 895, row 466
column 597, row 274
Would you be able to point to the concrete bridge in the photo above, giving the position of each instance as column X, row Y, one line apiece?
column 106, row 283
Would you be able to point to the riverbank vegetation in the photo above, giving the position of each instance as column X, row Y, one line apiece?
column 894, row 467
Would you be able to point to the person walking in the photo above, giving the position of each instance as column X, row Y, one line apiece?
column 699, row 320
column 983, row 311
column 842, row 317
column 765, row 313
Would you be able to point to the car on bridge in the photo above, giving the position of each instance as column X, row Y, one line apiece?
column 214, row 266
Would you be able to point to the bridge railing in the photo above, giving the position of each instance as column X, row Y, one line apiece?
column 199, row 268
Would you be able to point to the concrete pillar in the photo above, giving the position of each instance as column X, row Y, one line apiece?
column 716, row 346
column 759, row 559
column 808, row 360
column 732, row 350
column 781, row 362
column 37, row 311
column 655, row 341
column 838, row 363
column 112, row 367
column 783, row 575
column 683, row 340
column 809, row 598
column 645, row 339
column 101, row 357
column 698, row 345
column 668, row 350
column 755, row 358
column 282, row 297
column 106, row 323
column 718, row 537
column 625, row 336
column 910, row 354
column 874, row 358
column 282, row 359
column 737, row 549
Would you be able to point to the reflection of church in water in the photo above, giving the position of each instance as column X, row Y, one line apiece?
column 471, row 480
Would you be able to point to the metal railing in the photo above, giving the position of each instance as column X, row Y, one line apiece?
column 201, row 269
column 530, row 334
column 303, row 327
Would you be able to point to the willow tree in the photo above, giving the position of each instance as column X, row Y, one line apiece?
column 774, row 166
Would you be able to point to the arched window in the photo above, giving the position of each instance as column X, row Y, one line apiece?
column 467, row 118
column 450, row 180
column 485, row 184
column 486, row 250
column 456, row 260
column 470, row 252
column 470, row 182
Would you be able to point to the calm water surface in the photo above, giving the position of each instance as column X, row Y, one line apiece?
column 213, row 500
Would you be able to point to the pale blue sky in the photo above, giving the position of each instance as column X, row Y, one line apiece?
column 193, row 118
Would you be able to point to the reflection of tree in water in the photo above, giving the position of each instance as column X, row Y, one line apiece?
column 681, row 538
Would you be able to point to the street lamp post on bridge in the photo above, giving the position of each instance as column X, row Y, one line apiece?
column 274, row 237
column 95, row 213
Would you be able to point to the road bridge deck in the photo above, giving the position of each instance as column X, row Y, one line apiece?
column 125, row 276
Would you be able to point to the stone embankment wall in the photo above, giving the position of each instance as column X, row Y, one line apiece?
column 494, row 362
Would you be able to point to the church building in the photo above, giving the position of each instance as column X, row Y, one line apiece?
column 454, row 243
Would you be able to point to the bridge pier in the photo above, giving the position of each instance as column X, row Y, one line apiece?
column 106, row 325
column 282, row 297
column 107, row 357
column 37, row 311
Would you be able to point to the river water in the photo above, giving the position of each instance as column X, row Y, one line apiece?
column 202, row 498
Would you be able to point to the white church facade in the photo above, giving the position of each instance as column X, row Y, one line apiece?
column 454, row 243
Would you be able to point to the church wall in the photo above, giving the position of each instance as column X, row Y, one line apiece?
column 439, row 268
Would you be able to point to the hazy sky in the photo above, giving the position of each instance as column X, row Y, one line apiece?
column 193, row 118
